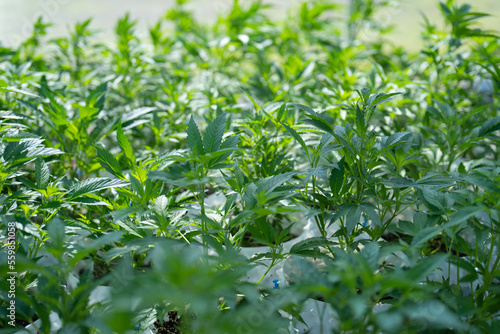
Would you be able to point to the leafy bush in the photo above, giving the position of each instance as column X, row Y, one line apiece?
column 135, row 177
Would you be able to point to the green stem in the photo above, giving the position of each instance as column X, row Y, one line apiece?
column 267, row 271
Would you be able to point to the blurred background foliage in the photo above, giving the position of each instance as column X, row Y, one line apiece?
column 17, row 17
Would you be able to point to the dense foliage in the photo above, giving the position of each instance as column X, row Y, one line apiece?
column 134, row 174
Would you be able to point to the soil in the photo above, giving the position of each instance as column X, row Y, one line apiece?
column 169, row 327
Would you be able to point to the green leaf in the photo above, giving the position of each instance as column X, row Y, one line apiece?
column 270, row 183
column 433, row 199
column 108, row 162
column 425, row 234
column 371, row 252
column 125, row 144
column 135, row 114
column 86, row 113
column 94, row 184
column 434, row 315
column 175, row 180
column 337, row 177
column 23, row 150
column 214, row 133
column 88, row 200
column 229, row 145
column 194, row 138
column 306, row 109
column 42, row 173
column 379, row 98
column 464, row 264
column 230, row 202
column 57, row 235
column 122, row 214
column 103, row 240
column 491, row 125
column 250, row 196
column 239, row 176
column 97, row 97
column 398, row 138
column 316, row 119
column 309, row 244
column 353, row 217
column 16, row 90
column 369, row 210
column 297, row 138
column 481, row 181
column 360, row 119
column 463, row 215
column 427, row 266
column 160, row 206
column 445, row 109
column 461, row 168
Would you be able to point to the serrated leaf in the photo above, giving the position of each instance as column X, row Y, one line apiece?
column 309, row 244
column 134, row 114
column 315, row 119
column 462, row 215
column 369, row 210
column 51, row 205
column 427, row 266
column 437, row 181
column 103, row 240
column 337, row 177
column 306, row 109
column 270, row 183
column 214, row 133
column 42, row 173
column 481, row 181
column 398, row 138
column 21, row 151
column 88, row 201
column 341, row 211
column 16, row 90
column 426, row 312
column 240, row 178
column 229, row 145
column 56, row 233
column 122, row 214
column 249, row 196
column 108, row 162
column 340, row 133
column 195, row 142
column 379, row 98
column 125, row 144
column 445, row 109
column 352, row 219
column 229, row 203
column 319, row 123
column 425, row 234
column 491, row 125
column 371, row 253
column 97, row 96
column 94, row 184
column 320, row 171
column 461, row 168
column 160, row 206
column 433, row 199
column 360, row 119
column 297, row 138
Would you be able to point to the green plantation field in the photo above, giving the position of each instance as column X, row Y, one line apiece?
column 264, row 171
